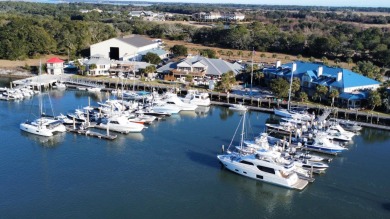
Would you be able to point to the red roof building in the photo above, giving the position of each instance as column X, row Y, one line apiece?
column 55, row 66
column 55, row 60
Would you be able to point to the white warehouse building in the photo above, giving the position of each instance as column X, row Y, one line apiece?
column 125, row 48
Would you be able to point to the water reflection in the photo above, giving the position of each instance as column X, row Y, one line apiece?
column 57, row 94
column 49, row 142
column 96, row 96
column 202, row 111
column 191, row 114
column 374, row 135
column 266, row 195
column 225, row 113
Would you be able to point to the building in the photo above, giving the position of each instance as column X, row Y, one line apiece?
column 352, row 87
column 98, row 65
column 126, row 48
column 210, row 16
column 199, row 66
column 55, row 66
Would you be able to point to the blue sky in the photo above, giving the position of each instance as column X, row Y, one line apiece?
column 355, row 3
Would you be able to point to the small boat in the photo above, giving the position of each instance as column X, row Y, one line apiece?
column 94, row 89
column 238, row 107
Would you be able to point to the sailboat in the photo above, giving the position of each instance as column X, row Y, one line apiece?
column 289, row 113
column 43, row 126
column 263, row 168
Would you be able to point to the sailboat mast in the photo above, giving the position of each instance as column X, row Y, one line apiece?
column 243, row 131
column 39, row 89
column 289, row 90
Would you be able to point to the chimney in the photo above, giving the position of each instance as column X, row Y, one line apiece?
column 278, row 64
column 319, row 71
column 339, row 75
column 294, row 67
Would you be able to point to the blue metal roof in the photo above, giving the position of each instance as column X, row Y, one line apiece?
column 349, row 78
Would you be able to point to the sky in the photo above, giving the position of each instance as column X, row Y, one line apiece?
column 354, row 3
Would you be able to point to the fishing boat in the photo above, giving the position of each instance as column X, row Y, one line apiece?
column 197, row 98
column 262, row 168
column 322, row 144
column 120, row 124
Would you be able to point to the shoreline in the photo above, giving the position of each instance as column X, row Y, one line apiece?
column 14, row 74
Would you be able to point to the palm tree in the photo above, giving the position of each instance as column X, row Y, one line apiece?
column 333, row 94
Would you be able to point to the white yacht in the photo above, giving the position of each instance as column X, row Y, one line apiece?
column 197, row 98
column 43, row 126
column 263, row 168
column 338, row 129
column 165, row 108
column 322, row 144
column 120, row 124
column 173, row 99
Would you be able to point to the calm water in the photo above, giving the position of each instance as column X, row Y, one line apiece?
column 171, row 171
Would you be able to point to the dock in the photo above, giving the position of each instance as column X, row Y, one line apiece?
column 88, row 132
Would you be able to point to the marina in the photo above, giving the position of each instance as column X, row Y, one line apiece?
column 74, row 173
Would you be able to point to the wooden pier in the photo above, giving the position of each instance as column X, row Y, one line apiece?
column 88, row 132
column 265, row 104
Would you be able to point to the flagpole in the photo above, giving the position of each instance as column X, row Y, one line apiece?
column 251, row 74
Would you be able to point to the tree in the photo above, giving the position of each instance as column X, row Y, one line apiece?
column 150, row 69
column 210, row 53
column 295, row 86
column 324, row 60
column 368, row 69
column 258, row 76
column 179, row 50
column 303, row 96
column 374, row 99
column 280, row 87
column 333, row 94
column 227, row 81
column 349, row 61
column 240, row 53
column 321, row 91
column 92, row 67
column 152, row 58
column 229, row 53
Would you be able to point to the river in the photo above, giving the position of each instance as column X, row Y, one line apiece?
column 170, row 170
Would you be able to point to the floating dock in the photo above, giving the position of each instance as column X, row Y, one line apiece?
column 88, row 132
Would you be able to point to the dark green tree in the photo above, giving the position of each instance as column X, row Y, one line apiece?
column 179, row 50
column 280, row 87
column 152, row 58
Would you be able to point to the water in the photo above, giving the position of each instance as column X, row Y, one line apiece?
column 170, row 170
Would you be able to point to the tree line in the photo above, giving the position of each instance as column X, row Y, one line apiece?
column 28, row 29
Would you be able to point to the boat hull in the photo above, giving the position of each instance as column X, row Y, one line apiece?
column 254, row 173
